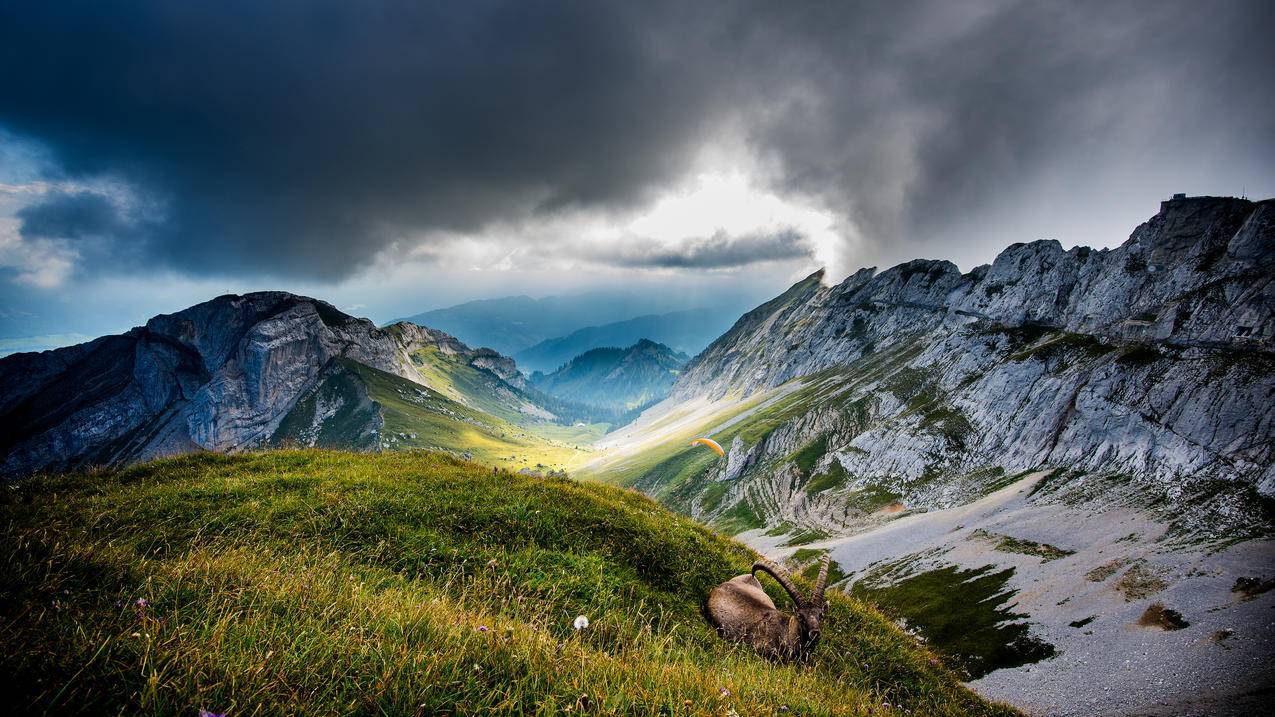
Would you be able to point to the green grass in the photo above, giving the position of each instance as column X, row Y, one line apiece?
column 416, row 417
column 807, row 561
column 317, row 582
column 740, row 517
column 871, row 498
column 806, row 458
column 959, row 612
column 947, row 422
column 835, row 477
column 711, row 497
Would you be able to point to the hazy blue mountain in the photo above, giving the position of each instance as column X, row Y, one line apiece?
column 687, row 331
column 513, row 323
column 615, row 378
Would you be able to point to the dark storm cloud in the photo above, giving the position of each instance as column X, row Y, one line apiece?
column 919, row 114
column 716, row 252
column 71, row 215
column 303, row 137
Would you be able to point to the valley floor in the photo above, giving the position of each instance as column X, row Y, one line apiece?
column 1089, row 600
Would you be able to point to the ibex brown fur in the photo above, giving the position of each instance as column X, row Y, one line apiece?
column 742, row 611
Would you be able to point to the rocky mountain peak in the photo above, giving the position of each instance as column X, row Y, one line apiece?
column 219, row 375
column 1196, row 273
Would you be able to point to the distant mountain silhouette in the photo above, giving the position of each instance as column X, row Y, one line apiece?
column 687, row 331
column 513, row 323
column 615, row 378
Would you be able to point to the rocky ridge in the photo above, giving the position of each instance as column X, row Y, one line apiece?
column 219, row 376
column 1149, row 365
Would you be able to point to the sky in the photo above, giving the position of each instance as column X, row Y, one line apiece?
column 398, row 156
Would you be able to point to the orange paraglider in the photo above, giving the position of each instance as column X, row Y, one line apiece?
column 711, row 444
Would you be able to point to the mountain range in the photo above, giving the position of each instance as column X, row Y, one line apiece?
column 1087, row 436
column 271, row 368
column 621, row 379
column 686, row 331
column 512, row 324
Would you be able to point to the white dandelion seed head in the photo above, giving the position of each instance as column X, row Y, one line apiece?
column 581, row 622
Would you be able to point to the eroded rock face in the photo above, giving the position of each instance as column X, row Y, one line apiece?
column 1199, row 273
column 218, row 376
column 1153, row 361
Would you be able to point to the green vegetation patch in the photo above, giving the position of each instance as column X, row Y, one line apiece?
column 948, row 422
column 1140, row 355
column 915, row 387
column 318, row 582
column 711, row 497
column 740, row 517
column 806, row 458
column 835, row 476
column 959, row 614
column 871, row 498
column 801, row 556
column 805, row 561
column 1008, row 544
column 336, row 413
column 807, row 535
column 1064, row 346
column 996, row 478
column 783, row 528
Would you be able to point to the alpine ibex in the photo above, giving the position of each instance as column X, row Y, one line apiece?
column 742, row 611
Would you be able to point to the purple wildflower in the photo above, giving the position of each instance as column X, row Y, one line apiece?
column 724, row 692
column 143, row 602
column 482, row 628
column 206, row 713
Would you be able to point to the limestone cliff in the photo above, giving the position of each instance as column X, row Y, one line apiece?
column 1151, row 363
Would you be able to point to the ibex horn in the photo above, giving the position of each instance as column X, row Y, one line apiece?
column 780, row 575
column 822, row 582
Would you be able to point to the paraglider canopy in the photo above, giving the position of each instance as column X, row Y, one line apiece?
column 711, row 444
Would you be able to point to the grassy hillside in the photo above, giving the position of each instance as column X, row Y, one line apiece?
column 678, row 476
column 315, row 582
column 412, row 416
column 452, row 376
